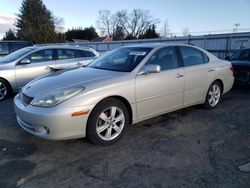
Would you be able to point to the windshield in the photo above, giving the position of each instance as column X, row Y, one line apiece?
column 122, row 59
column 15, row 55
column 243, row 55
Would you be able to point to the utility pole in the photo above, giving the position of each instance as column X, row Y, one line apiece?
column 236, row 27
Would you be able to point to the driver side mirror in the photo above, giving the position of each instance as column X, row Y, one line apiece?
column 148, row 69
column 25, row 61
column 227, row 58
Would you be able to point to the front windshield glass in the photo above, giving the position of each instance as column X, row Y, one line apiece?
column 15, row 55
column 243, row 55
column 122, row 59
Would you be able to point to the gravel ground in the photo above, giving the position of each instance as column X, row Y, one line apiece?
column 192, row 147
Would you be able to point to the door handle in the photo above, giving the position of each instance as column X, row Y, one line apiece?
column 211, row 70
column 179, row 75
column 79, row 63
column 49, row 68
column 53, row 69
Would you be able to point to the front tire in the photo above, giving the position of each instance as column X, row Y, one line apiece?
column 4, row 89
column 107, row 122
column 213, row 95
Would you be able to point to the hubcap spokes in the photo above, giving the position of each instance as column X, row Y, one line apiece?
column 214, row 95
column 3, row 90
column 110, row 123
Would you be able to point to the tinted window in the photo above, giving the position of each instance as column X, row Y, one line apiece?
column 87, row 54
column 65, row 54
column 82, row 53
column 206, row 58
column 241, row 55
column 70, row 54
column 122, row 59
column 191, row 56
column 4, row 48
column 165, row 57
column 41, row 56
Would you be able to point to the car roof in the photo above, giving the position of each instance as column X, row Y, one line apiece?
column 62, row 47
column 155, row 45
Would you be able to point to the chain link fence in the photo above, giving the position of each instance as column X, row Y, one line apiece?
column 221, row 45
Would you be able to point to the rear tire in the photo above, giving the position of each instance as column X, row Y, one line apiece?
column 5, row 89
column 107, row 122
column 213, row 95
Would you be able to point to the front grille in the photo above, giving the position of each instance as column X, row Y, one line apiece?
column 26, row 125
column 25, row 98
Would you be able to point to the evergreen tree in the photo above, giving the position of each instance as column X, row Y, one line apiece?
column 61, row 37
column 150, row 33
column 88, row 33
column 35, row 22
column 10, row 35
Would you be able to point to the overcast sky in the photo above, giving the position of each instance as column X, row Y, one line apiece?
column 196, row 15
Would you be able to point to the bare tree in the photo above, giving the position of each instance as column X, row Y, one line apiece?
column 137, row 21
column 165, row 30
column 103, row 22
column 185, row 32
column 133, row 23
column 106, row 22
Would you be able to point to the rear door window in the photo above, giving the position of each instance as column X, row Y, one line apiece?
column 86, row 53
column 191, row 56
column 206, row 58
column 65, row 54
column 71, row 54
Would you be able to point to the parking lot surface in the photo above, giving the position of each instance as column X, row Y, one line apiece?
column 193, row 147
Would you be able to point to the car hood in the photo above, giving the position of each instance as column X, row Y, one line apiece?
column 65, row 79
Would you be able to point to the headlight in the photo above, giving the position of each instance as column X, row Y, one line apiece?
column 56, row 97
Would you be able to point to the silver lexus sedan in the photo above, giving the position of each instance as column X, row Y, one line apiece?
column 122, row 87
column 22, row 66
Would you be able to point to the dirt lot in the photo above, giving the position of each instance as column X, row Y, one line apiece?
column 193, row 147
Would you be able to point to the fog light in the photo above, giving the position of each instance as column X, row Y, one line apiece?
column 42, row 129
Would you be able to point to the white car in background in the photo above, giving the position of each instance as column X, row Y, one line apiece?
column 22, row 66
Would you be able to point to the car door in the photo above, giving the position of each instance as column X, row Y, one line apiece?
column 39, row 62
column 157, row 93
column 197, row 74
column 71, row 58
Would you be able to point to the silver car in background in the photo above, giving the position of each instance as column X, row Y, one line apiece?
column 26, row 64
column 122, row 87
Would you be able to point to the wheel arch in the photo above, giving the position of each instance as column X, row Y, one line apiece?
column 221, row 84
column 9, row 85
column 123, row 100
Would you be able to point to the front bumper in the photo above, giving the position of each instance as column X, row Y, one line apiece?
column 54, row 123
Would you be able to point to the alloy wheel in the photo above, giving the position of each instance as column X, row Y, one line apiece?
column 214, row 95
column 110, row 123
column 3, row 90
